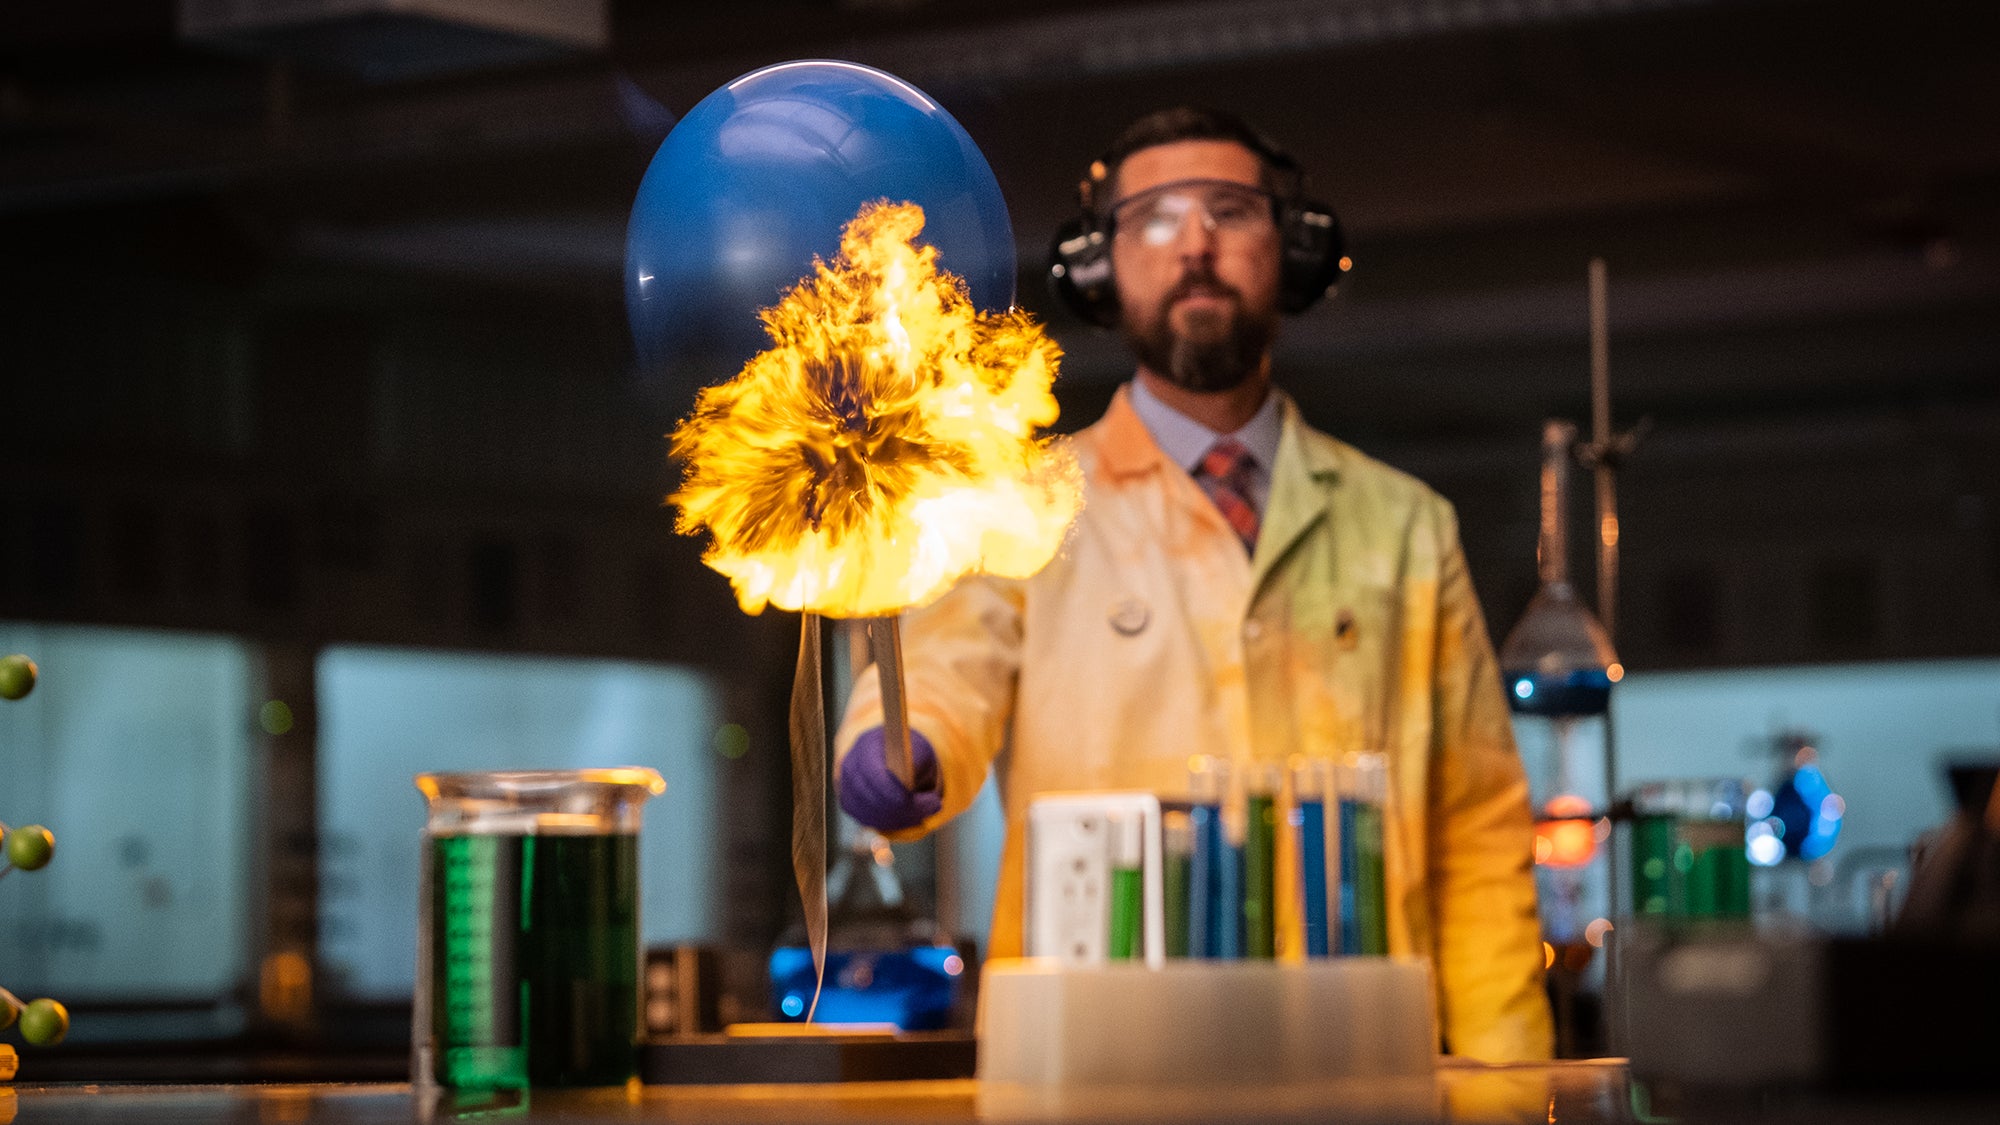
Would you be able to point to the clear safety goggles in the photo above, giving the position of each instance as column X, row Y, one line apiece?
column 1225, row 208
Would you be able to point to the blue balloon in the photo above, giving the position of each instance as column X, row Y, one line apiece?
column 760, row 177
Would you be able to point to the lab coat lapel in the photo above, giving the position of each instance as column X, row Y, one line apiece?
column 1128, row 450
column 1302, row 494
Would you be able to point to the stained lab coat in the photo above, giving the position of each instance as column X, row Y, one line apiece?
column 1153, row 636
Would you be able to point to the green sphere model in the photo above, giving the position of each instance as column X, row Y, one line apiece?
column 30, row 848
column 44, row 1022
column 17, row 676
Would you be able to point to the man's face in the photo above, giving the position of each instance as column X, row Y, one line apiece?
column 1195, row 253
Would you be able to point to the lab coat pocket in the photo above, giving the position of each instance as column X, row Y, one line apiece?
column 1344, row 665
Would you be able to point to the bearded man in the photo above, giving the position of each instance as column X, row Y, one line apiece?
column 1238, row 585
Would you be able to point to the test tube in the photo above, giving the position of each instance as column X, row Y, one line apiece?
column 1364, row 917
column 1260, row 854
column 1229, row 899
column 1214, row 910
column 1177, row 844
column 1127, row 860
column 1312, row 778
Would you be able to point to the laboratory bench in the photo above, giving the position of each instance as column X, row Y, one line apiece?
column 1581, row 1091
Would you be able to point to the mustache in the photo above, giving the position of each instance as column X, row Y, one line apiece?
column 1200, row 280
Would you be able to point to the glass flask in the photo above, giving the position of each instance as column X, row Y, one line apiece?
column 1688, row 859
column 528, row 929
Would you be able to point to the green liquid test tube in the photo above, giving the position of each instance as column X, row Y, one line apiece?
column 1178, row 845
column 1127, row 893
column 1125, row 896
column 1373, row 892
column 1364, row 794
column 1260, row 837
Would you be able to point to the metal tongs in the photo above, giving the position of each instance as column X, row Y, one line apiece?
column 885, row 646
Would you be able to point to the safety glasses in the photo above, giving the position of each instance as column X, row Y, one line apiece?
column 1156, row 216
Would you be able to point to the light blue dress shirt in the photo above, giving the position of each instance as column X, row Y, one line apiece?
column 1187, row 441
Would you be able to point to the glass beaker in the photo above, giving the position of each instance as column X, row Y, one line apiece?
column 528, row 929
column 1688, row 859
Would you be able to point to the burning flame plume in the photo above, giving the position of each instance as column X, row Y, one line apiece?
column 885, row 446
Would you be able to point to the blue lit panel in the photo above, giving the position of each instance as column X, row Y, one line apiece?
column 387, row 714
column 913, row 989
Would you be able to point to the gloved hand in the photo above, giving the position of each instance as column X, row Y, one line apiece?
column 873, row 796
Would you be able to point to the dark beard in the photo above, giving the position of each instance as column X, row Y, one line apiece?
column 1217, row 356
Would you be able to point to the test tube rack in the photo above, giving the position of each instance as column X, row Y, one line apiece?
column 1207, row 1025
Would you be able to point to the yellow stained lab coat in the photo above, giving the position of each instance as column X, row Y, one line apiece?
column 1153, row 637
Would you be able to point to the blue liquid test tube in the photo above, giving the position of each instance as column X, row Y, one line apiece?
column 1310, row 783
column 1350, row 872
column 1205, row 826
column 1212, row 898
column 1229, row 899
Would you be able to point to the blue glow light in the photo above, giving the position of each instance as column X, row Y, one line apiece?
column 1582, row 691
column 1807, row 813
column 914, row 988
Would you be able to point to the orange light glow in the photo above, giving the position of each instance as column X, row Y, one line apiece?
column 1565, row 843
column 1548, row 956
column 284, row 986
column 884, row 446
column 1569, row 805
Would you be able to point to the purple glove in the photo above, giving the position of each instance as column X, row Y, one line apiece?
column 873, row 796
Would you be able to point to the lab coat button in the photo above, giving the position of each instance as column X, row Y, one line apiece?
column 1130, row 616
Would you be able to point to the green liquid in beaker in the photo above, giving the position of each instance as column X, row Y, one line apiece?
column 535, row 978
column 1683, row 868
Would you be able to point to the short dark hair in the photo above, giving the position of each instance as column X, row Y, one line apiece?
column 1281, row 173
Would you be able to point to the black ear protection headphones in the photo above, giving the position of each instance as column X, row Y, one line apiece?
column 1314, row 253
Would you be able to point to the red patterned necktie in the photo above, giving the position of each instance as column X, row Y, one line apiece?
column 1225, row 474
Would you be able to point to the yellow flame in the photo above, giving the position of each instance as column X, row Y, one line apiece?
column 884, row 447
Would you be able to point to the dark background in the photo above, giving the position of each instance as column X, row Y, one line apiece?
column 317, row 335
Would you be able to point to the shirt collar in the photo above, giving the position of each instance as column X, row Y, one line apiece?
column 1186, row 441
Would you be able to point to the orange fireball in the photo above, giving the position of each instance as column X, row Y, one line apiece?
column 885, row 445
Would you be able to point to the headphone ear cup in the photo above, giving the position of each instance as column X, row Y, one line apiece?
column 1080, row 271
column 1314, row 254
